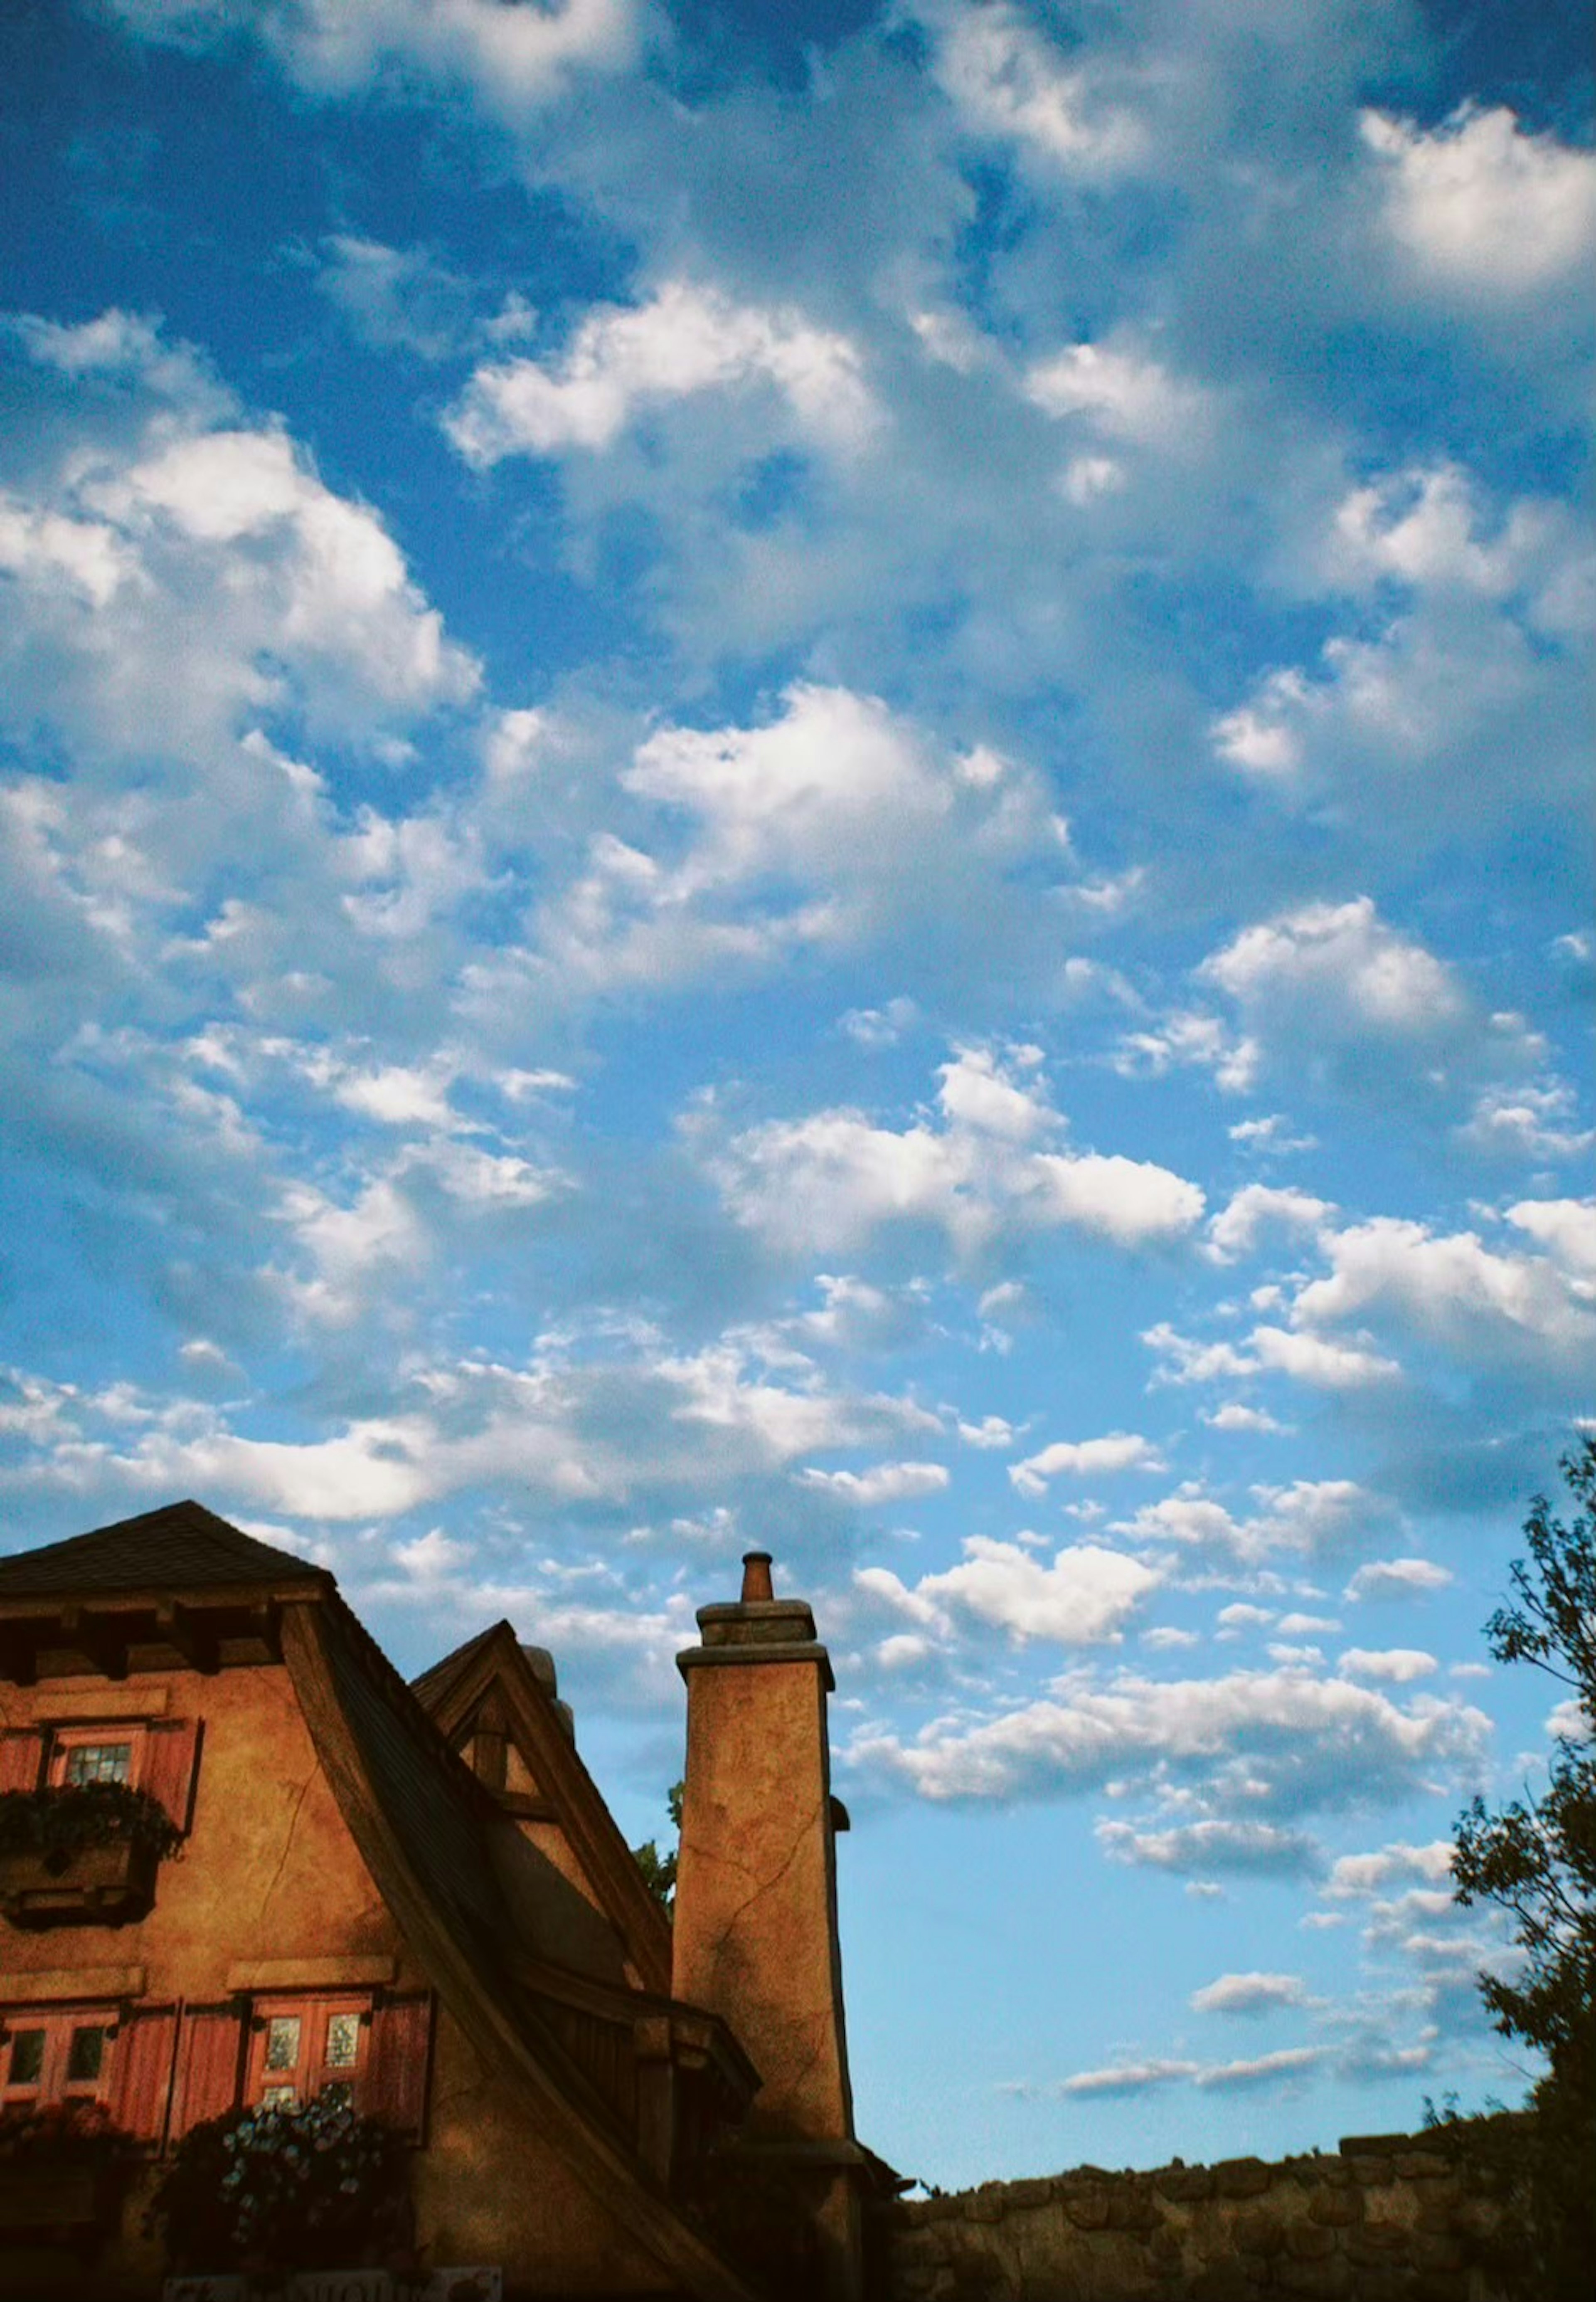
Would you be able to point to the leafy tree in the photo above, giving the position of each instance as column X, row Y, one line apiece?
column 1536, row 1857
column 660, row 1871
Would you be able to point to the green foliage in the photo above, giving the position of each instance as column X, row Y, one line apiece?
column 660, row 1871
column 314, row 2188
column 62, row 1822
column 1536, row 1858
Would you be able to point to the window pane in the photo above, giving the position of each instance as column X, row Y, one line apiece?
column 86, row 2055
column 343, row 2041
column 100, row 1762
column 283, row 2042
column 278, row 2097
column 27, row 2057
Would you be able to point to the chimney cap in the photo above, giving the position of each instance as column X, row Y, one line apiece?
column 756, row 1576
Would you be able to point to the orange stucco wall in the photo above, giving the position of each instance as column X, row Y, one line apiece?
column 271, row 1872
column 754, row 1935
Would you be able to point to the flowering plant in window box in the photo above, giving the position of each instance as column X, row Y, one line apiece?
column 287, row 2188
column 62, row 2165
column 81, row 1851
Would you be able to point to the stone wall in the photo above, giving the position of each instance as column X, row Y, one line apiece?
column 1389, row 2218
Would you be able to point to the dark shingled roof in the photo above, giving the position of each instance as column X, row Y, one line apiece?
column 180, row 1547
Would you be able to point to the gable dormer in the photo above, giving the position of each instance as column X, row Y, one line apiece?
column 497, row 1702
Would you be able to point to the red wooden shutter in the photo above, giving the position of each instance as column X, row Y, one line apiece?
column 22, row 1757
column 207, row 2066
column 395, row 2087
column 141, row 2079
column 169, row 1766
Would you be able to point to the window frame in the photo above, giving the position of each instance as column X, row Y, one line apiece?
column 54, row 2087
column 312, row 2072
column 98, row 1735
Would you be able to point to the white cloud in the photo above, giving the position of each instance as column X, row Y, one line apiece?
column 1452, row 1290
column 1269, row 1849
column 1565, row 1228
column 827, row 1183
column 885, row 1482
column 1127, row 396
column 686, row 340
column 830, row 827
column 173, row 528
column 1248, row 1994
column 1397, row 1578
column 1396, row 1666
column 1294, row 1740
column 1482, row 205
column 1311, row 1516
column 1340, row 964
column 1528, row 1122
column 1354, row 1876
column 1323, row 1365
column 1085, row 1458
column 514, row 59
column 1234, row 1232
column 1233, row 1416
column 1129, row 2078
column 1081, row 1600
column 1006, row 82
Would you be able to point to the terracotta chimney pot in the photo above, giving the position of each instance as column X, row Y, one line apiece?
column 756, row 1576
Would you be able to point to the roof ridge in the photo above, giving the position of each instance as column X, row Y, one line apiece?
column 180, row 1544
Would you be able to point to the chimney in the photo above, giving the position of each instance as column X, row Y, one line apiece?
column 754, row 1935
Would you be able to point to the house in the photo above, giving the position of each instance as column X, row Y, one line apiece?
column 413, row 1898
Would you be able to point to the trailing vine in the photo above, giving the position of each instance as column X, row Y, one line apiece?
column 286, row 2189
column 63, row 1822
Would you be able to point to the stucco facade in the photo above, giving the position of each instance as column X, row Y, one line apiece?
column 414, row 1896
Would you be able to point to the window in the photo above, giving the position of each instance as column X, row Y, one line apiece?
column 98, row 1763
column 55, row 2056
column 96, row 1754
column 303, row 2047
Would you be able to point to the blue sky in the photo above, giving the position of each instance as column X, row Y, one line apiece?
column 818, row 777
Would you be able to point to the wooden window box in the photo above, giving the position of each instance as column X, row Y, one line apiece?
column 98, row 1886
column 41, row 2197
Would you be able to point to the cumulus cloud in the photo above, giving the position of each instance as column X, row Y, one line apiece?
column 1085, row 1458
column 1008, row 82
column 1334, row 993
column 597, row 1425
column 1201, row 1849
column 1082, row 1599
column 1397, row 1578
column 1450, row 1288
column 885, row 1482
column 827, row 1182
column 1396, row 1666
column 1234, row 1232
column 1285, row 1739
column 686, row 340
column 513, row 59
column 824, row 830
column 1312, row 1516
column 1480, row 205
column 1248, row 1994
column 192, row 531
column 1353, row 1875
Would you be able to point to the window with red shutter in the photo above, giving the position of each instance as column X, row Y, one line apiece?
column 171, row 1748
column 53, row 2054
column 209, row 2052
column 395, row 2079
column 21, row 1759
column 142, row 2081
column 303, row 2047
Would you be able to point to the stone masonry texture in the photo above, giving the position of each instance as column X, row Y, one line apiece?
column 1391, row 2218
